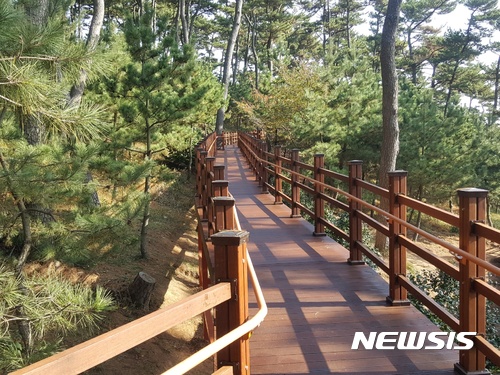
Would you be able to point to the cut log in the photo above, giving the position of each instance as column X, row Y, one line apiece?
column 141, row 289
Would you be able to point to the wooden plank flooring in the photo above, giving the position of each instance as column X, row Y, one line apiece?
column 316, row 300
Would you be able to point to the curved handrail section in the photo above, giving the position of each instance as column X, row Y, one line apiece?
column 217, row 215
column 229, row 338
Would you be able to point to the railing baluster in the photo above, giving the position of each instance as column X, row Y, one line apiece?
column 295, row 188
column 278, row 182
column 355, row 223
column 472, row 205
column 319, row 203
column 398, row 295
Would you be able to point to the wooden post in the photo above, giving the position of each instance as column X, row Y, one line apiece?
column 197, row 167
column 398, row 295
column 472, row 204
column 355, row 223
column 231, row 266
column 220, row 188
column 224, row 214
column 278, row 182
column 219, row 171
column 319, row 203
column 263, row 168
column 200, row 174
column 259, row 163
column 295, row 188
column 256, row 149
column 251, row 152
column 209, row 172
column 202, row 260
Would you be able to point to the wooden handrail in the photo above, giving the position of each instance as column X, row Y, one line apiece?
column 493, row 269
column 470, row 254
column 223, row 218
column 232, row 336
column 108, row 345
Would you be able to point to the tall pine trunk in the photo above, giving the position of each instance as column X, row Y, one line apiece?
column 147, row 188
column 390, row 127
column 226, row 74
column 23, row 324
column 34, row 132
column 495, row 112
column 76, row 92
column 184, row 22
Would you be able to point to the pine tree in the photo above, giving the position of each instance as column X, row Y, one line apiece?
column 45, row 146
column 162, row 86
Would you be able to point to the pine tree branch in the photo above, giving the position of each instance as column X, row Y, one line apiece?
column 10, row 101
column 44, row 212
column 133, row 150
column 159, row 150
column 24, row 217
column 13, row 318
column 2, row 114
column 36, row 58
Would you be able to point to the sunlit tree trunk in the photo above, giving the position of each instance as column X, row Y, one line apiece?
column 390, row 127
column 226, row 74
column 76, row 92
column 184, row 22
column 38, row 14
column 495, row 111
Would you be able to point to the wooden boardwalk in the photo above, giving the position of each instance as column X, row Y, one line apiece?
column 316, row 300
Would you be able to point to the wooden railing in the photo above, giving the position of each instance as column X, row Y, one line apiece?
column 273, row 171
column 225, row 289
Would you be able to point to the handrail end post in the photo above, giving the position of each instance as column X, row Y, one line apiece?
column 231, row 263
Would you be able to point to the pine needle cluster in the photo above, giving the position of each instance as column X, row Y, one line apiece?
column 52, row 306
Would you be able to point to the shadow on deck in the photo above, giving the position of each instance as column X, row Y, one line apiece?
column 316, row 300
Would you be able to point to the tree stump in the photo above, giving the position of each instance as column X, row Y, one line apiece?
column 141, row 289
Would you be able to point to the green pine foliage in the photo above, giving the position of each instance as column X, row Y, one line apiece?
column 445, row 291
column 162, row 92
column 52, row 306
column 429, row 141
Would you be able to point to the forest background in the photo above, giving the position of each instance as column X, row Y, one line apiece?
column 102, row 102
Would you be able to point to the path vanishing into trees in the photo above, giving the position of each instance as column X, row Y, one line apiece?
column 316, row 300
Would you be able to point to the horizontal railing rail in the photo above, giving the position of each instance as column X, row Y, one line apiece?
column 272, row 170
column 110, row 344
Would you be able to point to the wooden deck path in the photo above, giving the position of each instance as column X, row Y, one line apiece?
column 316, row 300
